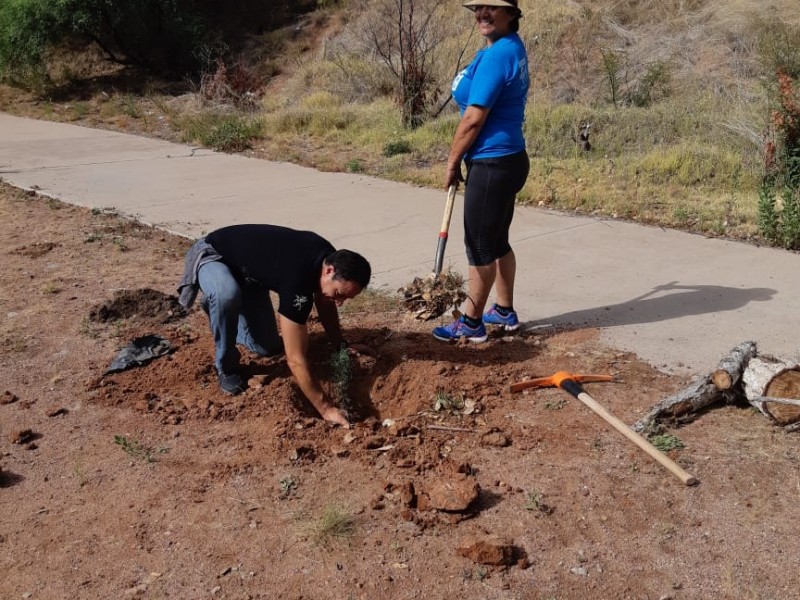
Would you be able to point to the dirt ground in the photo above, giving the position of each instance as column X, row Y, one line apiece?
column 151, row 483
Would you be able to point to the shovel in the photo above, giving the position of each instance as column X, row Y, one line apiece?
column 431, row 296
column 440, row 246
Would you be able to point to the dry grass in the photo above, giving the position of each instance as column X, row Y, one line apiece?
column 334, row 526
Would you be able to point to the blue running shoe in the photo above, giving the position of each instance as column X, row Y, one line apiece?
column 510, row 322
column 459, row 330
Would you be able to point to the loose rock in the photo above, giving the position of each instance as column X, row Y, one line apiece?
column 8, row 398
column 22, row 437
column 454, row 493
column 488, row 550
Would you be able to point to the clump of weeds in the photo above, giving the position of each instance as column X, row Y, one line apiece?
column 446, row 402
column 555, row 404
column 137, row 450
column 333, row 526
column 80, row 474
column 478, row 574
column 13, row 342
column 288, row 487
column 88, row 329
column 666, row 442
column 535, row 503
column 51, row 288
column 119, row 243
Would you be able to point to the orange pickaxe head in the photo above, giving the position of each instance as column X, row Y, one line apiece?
column 559, row 379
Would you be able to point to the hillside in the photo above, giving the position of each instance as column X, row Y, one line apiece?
column 677, row 97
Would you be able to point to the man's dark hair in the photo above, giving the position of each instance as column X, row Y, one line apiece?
column 350, row 266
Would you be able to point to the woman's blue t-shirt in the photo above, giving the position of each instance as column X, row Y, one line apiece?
column 496, row 79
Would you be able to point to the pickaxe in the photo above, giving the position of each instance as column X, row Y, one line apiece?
column 570, row 382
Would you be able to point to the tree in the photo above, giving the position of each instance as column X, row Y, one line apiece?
column 404, row 35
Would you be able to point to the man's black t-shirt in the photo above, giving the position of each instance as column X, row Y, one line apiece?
column 285, row 261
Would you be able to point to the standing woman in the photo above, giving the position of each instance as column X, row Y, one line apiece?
column 491, row 94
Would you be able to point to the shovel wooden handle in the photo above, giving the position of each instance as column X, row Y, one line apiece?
column 443, row 231
column 576, row 390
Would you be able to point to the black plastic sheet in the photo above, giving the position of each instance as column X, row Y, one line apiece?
column 139, row 352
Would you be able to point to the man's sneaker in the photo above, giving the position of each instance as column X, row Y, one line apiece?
column 276, row 349
column 510, row 321
column 460, row 330
column 231, row 383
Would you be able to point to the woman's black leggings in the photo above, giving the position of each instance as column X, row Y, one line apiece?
column 491, row 190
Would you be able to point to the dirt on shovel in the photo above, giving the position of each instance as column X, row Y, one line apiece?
column 430, row 297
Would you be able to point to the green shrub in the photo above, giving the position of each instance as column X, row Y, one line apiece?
column 396, row 147
column 790, row 219
column 27, row 29
column 333, row 526
column 781, row 224
column 653, row 85
column 354, row 165
column 779, row 46
column 227, row 133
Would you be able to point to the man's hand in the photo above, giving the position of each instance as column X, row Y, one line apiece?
column 336, row 416
column 453, row 175
column 355, row 349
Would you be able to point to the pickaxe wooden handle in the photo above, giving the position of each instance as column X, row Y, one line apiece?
column 569, row 383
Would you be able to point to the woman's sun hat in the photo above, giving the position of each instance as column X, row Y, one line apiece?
column 471, row 4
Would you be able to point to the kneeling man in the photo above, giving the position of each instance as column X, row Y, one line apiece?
column 236, row 267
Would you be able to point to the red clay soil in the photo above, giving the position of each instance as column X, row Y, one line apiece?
column 152, row 483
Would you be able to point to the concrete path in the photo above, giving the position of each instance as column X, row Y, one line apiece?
column 679, row 301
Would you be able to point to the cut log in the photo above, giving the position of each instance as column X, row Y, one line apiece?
column 730, row 368
column 772, row 385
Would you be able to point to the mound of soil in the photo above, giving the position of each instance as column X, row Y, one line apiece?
column 142, row 304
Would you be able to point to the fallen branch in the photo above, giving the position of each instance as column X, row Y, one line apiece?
column 688, row 401
column 446, row 428
column 704, row 391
